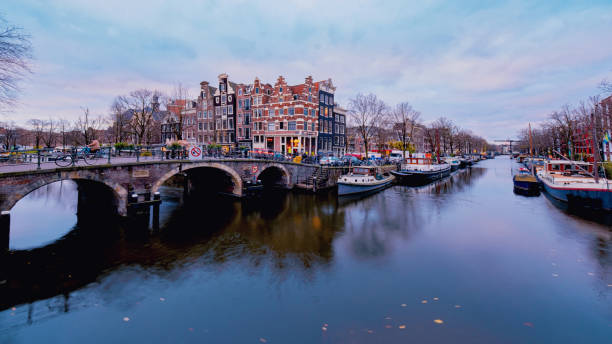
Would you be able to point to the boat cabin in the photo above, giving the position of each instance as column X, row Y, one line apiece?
column 364, row 170
column 419, row 161
column 569, row 168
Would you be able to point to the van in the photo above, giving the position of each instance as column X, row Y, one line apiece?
column 395, row 157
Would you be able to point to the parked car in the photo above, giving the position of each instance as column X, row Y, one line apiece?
column 328, row 160
column 350, row 160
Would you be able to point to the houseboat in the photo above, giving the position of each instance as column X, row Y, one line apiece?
column 576, row 183
column 417, row 170
column 363, row 179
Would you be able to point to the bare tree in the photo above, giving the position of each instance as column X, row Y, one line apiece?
column 120, row 119
column 181, row 96
column 405, row 119
column 15, row 53
column 366, row 113
column 606, row 85
column 38, row 128
column 9, row 135
column 49, row 134
column 140, row 106
column 88, row 126
column 63, row 127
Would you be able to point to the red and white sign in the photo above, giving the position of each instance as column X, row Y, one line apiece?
column 254, row 169
column 195, row 153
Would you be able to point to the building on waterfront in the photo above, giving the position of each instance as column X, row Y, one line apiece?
column 244, row 113
column 206, row 118
column 285, row 117
column 325, row 136
column 339, row 131
column 225, row 112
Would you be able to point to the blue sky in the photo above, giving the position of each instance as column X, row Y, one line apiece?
column 489, row 67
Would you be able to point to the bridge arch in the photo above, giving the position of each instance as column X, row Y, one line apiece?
column 119, row 192
column 275, row 174
column 235, row 177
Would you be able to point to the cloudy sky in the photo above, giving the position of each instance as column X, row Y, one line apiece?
column 490, row 68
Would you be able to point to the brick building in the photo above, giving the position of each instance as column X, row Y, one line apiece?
column 285, row 117
column 244, row 112
column 206, row 109
column 225, row 112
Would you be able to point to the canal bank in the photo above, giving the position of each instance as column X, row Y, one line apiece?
column 460, row 260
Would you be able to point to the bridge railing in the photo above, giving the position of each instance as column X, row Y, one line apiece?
column 26, row 159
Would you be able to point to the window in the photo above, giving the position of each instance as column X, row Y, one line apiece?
column 222, row 86
column 239, row 131
column 239, row 103
column 240, row 91
column 295, row 97
column 247, row 118
column 291, row 125
column 224, row 124
column 313, row 126
column 291, row 111
column 257, row 90
column 247, row 133
column 247, row 104
column 223, row 99
column 309, row 98
column 217, row 111
column 280, row 89
column 281, row 125
column 230, row 110
column 224, row 110
column 331, row 100
column 271, row 126
column 336, row 128
column 230, row 123
column 199, row 126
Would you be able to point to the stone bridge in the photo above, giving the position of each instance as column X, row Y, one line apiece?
column 221, row 175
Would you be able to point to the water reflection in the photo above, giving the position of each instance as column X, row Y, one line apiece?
column 282, row 266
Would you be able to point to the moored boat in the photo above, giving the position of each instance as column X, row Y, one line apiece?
column 363, row 179
column 418, row 170
column 525, row 182
column 453, row 162
column 576, row 183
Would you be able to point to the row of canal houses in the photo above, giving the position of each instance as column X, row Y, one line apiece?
column 290, row 119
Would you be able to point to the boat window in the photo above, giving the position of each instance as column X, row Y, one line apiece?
column 555, row 167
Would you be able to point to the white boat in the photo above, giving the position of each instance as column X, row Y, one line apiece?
column 454, row 162
column 418, row 170
column 362, row 179
column 574, row 182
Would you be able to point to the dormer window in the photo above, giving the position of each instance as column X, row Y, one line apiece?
column 257, row 90
column 280, row 89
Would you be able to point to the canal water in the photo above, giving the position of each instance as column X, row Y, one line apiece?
column 461, row 260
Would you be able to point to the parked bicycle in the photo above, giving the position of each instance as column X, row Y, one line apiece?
column 84, row 154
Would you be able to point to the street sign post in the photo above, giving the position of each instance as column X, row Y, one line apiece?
column 195, row 153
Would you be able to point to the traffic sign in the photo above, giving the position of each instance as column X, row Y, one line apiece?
column 195, row 153
column 254, row 169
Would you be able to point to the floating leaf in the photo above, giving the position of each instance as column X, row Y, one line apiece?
column 457, row 306
column 590, row 273
column 403, row 305
column 555, row 275
column 370, row 331
column 388, row 326
column 387, row 318
column 263, row 340
column 438, row 321
column 528, row 324
column 402, row 327
column 424, row 301
column 190, row 329
column 436, row 299
column 13, row 309
column 162, row 299
column 126, row 319
column 324, row 328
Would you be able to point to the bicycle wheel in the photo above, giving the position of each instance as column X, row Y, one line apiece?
column 90, row 158
column 64, row 160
